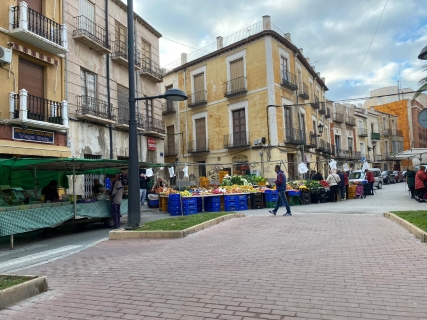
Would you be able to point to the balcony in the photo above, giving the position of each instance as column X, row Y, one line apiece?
column 389, row 156
column 328, row 113
column 340, row 153
column 120, row 55
column 351, row 121
column 95, row 110
column 168, row 107
column 378, row 158
column 357, row 155
column 92, row 35
column 198, row 99
column 328, row 148
column 289, row 81
column 151, row 70
column 315, row 103
column 198, row 146
column 386, row 132
column 397, row 133
column 171, row 145
column 123, row 120
column 34, row 28
column 235, row 87
column 311, row 142
column 322, row 146
column 154, row 127
column 37, row 112
column 303, row 91
column 338, row 117
column 237, row 140
column 295, row 137
column 322, row 109
column 362, row 132
column 375, row 136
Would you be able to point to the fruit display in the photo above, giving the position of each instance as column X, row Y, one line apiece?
column 166, row 191
column 186, row 193
column 324, row 184
column 204, row 182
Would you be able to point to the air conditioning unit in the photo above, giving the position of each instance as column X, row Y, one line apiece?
column 5, row 56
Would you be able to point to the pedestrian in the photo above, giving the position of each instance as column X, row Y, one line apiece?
column 312, row 174
column 340, row 185
column 158, row 184
column 50, row 191
column 318, row 176
column 346, row 174
column 142, row 187
column 116, row 196
column 371, row 179
column 410, row 179
column 420, row 179
column 281, row 188
column 333, row 180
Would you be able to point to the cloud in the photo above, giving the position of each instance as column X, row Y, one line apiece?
column 334, row 33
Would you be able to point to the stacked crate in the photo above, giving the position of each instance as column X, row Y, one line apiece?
column 189, row 206
column 255, row 200
column 242, row 202
column 270, row 198
column 351, row 192
column 164, row 204
column 174, row 204
column 199, row 201
column 306, row 197
column 235, row 202
column 212, row 204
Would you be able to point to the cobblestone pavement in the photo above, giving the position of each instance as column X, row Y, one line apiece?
column 327, row 266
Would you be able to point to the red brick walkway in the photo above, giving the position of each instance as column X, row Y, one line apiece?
column 300, row 267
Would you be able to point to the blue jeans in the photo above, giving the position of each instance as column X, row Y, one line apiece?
column 282, row 198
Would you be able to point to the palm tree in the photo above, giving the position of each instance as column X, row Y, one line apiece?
column 423, row 85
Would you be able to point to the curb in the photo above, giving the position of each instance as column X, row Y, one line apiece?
column 124, row 234
column 22, row 291
column 420, row 234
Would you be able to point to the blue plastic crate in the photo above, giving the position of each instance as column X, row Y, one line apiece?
column 230, row 208
column 230, row 198
column 243, row 208
column 270, row 198
column 213, row 199
column 174, row 196
column 243, row 197
column 186, row 201
column 272, row 192
column 212, row 209
column 293, row 193
column 174, row 212
column 212, row 206
column 188, row 211
column 174, row 207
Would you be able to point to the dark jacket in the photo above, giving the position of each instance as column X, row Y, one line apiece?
column 341, row 183
column 142, row 182
column 50, row 193
column 410, row 177
column 280, row 181
column 318, row 177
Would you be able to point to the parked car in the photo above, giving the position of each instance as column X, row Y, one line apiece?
column 388, row 177
column 358, row 175
column 398, row 176
column 404, row 176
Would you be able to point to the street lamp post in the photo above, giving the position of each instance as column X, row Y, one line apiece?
column 134, row 211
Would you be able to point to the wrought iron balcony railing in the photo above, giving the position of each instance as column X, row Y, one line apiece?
column 154, row 125
column 311, row 142
column 378, row 158
column 315, row 103
column 322, row 146
column 96, row 33
column 295, row 136
column 198, row 99
column 87, row 105
column 123, row 118
column 350, row 120
column 386, row 132
column 303, row 91
column 120, row 51
column 151, row 70
column 328, row 113
column 27, row 106
column 237, row 140
column 362, row 132
column 289, row 80
column 397, row 133
column 338, row 117
column 322, row 109
column 235, row 87
column 198, row 145
column 168, row 107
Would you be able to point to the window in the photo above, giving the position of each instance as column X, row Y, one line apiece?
column 199, row 87
column 170, row 143
column 151, row 156
column 314, row 127
column 284, row 67
column 202, row 168
column 393, row 127
column 237, row 75
column 149, row 113
column 350, row 143
column 36, row 5
column 288, row 122
column 372, row 127
column 146, row 53
column 337, row 143
column 89, row 178
column 360, row 124
column 88, row 83
column 299, row 78
column 200, row 125
column 31, row 78
column 362, row 148
column 87, row 16
column 302, row 125
column 169, row 103
column 123, row 104
column 120, row 40
column 239, row 128
column 386, row 147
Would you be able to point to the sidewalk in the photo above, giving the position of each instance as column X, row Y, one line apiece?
column 308, row 266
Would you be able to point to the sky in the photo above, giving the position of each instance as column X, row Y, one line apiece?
column 335, row 34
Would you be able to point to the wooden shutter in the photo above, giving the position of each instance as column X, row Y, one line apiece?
column 87, row 11
column 199, row 87
column 239, row 127
column 288, row 122
column 170, row 132
column 146, row 53
column 31, row 78
column 36, row 5
column 123, row 103
column 121, row 38
column 88, row 83
column 236, row 75
column 200, row 133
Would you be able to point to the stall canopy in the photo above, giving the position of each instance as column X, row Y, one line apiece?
column 411, row 153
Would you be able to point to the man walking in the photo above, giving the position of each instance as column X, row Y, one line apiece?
column 116, row 196
column 142, row 186
column 281, row 188
column 341, row 185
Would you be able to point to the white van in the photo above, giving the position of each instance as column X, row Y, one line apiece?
column 358, row 175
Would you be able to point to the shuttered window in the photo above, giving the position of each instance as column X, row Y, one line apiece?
column 146, row 53
column 88, row 83
column 149, row 113
column 170, row 131
column 239, row 127
column 87, row 11
column 123, row 103
column 31, row 78
column 200, row 133
column 151, row 156
column 236, row 75
column 36, row 5
column 284, row 67
column 288, row 122
column 120, row 40
column 199, row 87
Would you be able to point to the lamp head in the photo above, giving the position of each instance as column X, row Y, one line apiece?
column 423, row 54
column 174, row 94
column 320, row 129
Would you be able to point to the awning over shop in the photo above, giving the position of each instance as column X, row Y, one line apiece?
column 33, row 149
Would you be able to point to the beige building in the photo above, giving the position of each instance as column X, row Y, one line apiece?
column 34, row 107
column 97, row 83
column 253, row 103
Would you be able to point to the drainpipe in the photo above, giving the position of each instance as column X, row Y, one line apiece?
column 299, row 109
column 107, row 40
column 67, row 132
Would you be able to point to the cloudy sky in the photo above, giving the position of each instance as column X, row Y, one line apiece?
column 335, row 34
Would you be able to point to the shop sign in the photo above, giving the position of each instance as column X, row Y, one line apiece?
column 32, row 135
column 151, row 143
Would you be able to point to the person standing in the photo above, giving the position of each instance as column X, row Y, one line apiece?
column 410, row 179
column 346, row 184
column 281, row 188
column 142, row 187
column 318, row 176
column 333, row 180
column 50, row 191
column 371, row 179
column 116, row 196
column 420, row 179
column 340, row 184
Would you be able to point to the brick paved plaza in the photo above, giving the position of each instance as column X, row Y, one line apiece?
column 310, row 266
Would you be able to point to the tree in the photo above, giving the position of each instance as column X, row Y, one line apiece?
column 423, row 85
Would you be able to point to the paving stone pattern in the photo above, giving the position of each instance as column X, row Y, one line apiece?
column 327, row 266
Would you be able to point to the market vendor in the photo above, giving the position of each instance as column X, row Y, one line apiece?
column 158, row 184
column 96, row 189
column 50, row 191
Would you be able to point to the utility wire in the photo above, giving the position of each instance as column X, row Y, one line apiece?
column 371, row 41
column 184, row 44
